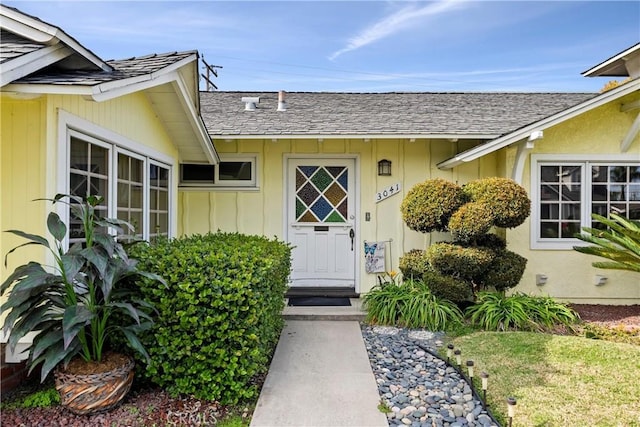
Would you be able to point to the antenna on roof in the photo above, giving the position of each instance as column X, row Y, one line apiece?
column 210, row 69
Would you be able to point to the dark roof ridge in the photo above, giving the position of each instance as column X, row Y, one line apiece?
column 154, row 55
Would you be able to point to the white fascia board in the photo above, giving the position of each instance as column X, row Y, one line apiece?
column 41, row 32
column 357, row 136
column 525, row 132
column 148, row 81
column 116, row 88
column 24, row 65
column 51, row 89
column 196, row 121
column 603, row 65
column 32, row 29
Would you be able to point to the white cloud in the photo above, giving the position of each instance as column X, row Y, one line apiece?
column 397, row 21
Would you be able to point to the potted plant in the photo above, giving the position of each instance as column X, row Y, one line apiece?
column 78, row 307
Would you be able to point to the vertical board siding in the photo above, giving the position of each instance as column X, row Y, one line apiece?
column 262, row 211
column 29, row 163
column 22, row 160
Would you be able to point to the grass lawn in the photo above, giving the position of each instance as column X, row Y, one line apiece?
column 557, row 380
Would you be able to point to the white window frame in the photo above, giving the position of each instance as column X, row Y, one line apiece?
column 71, row 125
column 234, row 185
column 585, row 161
column 145, row 186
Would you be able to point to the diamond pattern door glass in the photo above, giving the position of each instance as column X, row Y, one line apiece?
column 321, row 194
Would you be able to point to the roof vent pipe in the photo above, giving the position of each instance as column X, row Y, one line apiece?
column 282, row 104
column 250, row 102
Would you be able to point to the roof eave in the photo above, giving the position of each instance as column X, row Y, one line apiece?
column 49, row 89
column 525, row 132
column 116, row 88
column 450, row 136
column 41, row 32
column 26, row 64
column 604, row 68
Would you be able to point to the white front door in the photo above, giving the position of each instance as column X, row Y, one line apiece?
column 321, row 221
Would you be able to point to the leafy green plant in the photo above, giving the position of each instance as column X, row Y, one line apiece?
column 220, row 319
column 471, row 221
column 385, row 302
column 425, row 310
column 620, row 243
column 74, row 307
column 494, row 311
column 459, row 261
column 429, row 205
column 410, row 304
column 504, row 271
column 508, row 201
column 42, row 398
column 450, row 288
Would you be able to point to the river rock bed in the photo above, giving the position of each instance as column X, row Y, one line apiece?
column 419, row 389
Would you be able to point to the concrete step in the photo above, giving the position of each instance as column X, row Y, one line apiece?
column 322, row 291
column 348, row 313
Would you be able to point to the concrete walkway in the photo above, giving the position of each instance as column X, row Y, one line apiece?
column 320, row 376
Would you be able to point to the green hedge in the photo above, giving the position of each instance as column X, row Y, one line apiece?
column 220, row 319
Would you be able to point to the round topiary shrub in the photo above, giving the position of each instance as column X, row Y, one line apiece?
column 448, row 287
column 450, row 259
column 428, row 206
column 507, row 200
column 471, row 221
column 414, row 264
column 505, row 271
column 491, row 241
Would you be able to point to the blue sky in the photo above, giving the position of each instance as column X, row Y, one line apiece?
column 364, row 46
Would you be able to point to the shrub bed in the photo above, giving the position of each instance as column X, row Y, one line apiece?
column 220, row 318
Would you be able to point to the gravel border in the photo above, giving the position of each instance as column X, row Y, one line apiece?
column 419, row 388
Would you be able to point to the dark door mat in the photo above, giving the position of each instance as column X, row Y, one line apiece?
column 318, row 301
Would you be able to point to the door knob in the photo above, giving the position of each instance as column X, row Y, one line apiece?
column 352, row 234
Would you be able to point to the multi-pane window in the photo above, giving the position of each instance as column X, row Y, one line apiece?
column 134, row 187
column 615, row 189
column 232, row 171
column 566, row 193
column 88, row 175
column 131, row 192
column 158, row 201
column 560, row 200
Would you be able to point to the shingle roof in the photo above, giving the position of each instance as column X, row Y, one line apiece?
column 13, row 46
column 324, row 113
column 123, row 69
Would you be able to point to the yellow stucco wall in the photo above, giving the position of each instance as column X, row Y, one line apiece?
column 570, row 274
column 29, row 156
column 261, row 211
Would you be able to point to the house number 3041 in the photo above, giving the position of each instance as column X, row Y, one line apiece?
column 388, row 192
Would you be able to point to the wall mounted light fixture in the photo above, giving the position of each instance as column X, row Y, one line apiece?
column 384, row 167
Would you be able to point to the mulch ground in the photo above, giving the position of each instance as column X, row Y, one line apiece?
column 612, row 316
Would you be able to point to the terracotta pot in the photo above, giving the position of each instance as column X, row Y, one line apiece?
column 97, row 392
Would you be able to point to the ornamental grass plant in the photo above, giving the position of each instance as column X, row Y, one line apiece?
column 494, row 311
column 410, row 303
